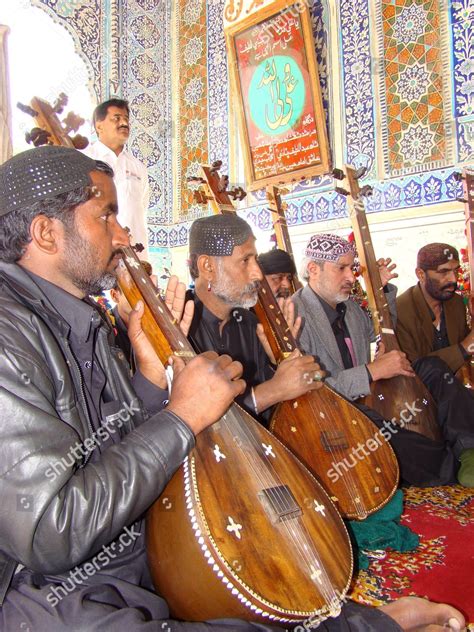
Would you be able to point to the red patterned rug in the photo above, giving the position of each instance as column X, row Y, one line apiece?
column 442, row 567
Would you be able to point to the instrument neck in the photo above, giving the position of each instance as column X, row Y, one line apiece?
column 161, row 328
column 280, row 338
column 468, row 183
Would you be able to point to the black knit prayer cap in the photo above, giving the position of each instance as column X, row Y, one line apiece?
column 217, row 235
column 433, row 255
column 42, row 173
column 276, row 261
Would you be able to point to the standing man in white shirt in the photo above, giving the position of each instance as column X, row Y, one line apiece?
column 112, row 125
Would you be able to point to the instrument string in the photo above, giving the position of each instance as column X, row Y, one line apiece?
column 268, row 477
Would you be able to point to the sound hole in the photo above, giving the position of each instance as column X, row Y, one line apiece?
column 335, row 440
column 279, row 503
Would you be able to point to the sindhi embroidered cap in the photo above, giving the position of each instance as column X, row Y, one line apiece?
column 327, row 247
column 42, row 173
column 433, row 255
column 217, row 235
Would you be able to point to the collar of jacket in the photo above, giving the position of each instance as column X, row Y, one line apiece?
column 25, row 290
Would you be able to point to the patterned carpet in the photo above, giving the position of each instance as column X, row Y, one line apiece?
column 442, row 568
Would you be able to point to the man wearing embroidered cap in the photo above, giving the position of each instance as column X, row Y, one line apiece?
column 431, row 316
column 338, row 331
column 223, row 264
column 76, row 479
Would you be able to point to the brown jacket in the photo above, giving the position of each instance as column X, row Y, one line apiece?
column 415, row 327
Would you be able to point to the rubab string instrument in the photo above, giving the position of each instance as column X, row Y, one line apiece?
column 321, row 427
column 247, row 532
column 466, row 372
column 391, row 396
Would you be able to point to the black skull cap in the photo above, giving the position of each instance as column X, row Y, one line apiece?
column 217, row 235
column 42, row 173
column 276, row 261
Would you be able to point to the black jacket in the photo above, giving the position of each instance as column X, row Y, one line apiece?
column 50, row 523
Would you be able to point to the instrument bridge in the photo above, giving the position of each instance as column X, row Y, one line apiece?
column 279, row 503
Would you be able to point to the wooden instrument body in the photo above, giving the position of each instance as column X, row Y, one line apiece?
column 326, row 433
column 242, row 529
column 466, row 374
column 263, row 573
column 392, row 396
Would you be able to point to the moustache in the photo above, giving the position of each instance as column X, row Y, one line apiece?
column 251, row 288
column 124, row 127
column 449, row 286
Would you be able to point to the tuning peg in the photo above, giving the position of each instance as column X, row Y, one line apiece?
column 338, row 174
column 200, row 197
column 196, row 179
column 79, row 141
column 60, row 103
column 72, row 122
column 360, row 172
column 237, row 193
column 37, row 136
column 458, row 176
column 341, row 191
column 462, row 200
column 223, row 183
column 366, row 190
column 216, row 165
column 26, row 109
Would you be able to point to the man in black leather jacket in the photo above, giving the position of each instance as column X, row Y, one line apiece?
column 84, row 452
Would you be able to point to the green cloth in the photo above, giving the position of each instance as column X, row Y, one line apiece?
column 382, row 530
column 466, row 471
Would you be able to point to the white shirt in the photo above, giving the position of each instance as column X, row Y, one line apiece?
column 133, row 190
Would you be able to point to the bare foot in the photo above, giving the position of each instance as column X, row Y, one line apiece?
column 414, row 614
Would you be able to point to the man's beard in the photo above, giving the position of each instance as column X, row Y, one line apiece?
column 283, row 293
column 82, row 266
column 440, row 293
column 227, row 291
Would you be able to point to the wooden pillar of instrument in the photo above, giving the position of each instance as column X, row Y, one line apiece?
column 6, row 149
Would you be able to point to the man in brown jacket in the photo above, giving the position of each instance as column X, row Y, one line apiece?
column 431, row 317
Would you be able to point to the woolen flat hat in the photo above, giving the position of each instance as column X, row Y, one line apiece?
column 42, row 173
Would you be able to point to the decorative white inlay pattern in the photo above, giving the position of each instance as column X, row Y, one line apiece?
column 268, row 450
column 319, row 508
column 316, row 574
column 381, row 397
column 234, row 527
column 218, row 454
column 132, row 262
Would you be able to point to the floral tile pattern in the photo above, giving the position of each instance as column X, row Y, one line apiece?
column 192, row 104
column 415, row 113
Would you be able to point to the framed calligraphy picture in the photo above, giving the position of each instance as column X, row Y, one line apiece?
column 275, row 83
